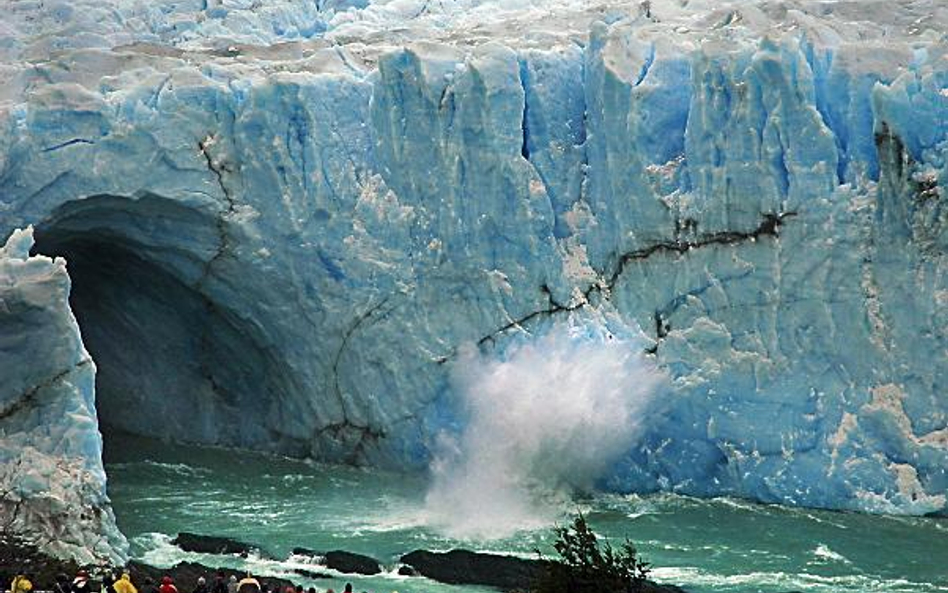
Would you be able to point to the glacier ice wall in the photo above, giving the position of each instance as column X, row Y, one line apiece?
column 52, row 485
column 283, row 221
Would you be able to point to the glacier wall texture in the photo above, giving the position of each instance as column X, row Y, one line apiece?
column 52, row 485
column 280, row 232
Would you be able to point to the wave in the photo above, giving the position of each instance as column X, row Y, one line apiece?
column 160, row 552
column 180, row 469
column 740, row 504
column 764, row 582
column 659, row 503
column 157, row 550
column 824, row 552
column 393, row 523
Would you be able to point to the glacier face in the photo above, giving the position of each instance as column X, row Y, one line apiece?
column 282, row 221
column 52, row 484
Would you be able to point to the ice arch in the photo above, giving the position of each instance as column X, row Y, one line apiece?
column 173, row 361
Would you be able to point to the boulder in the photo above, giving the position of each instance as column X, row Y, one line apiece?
column 407, row 571
column 309, row 574
column 208, row 544
column 463, row 567
column 352, row 563
column 343, row 561
column 508, row 573
column 305, row 552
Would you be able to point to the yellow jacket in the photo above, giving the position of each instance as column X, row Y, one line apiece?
column 21, row 584
column 124, row 585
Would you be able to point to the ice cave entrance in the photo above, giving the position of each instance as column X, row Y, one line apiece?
column 172, row 361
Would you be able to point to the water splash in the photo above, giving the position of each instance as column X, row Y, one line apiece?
column 543, row 421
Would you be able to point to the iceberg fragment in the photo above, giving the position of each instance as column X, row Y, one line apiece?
column 52, row 484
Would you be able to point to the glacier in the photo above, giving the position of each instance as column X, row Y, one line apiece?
column 52, row 484
column 283, row 220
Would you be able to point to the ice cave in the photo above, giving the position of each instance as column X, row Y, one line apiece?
column 163, row 348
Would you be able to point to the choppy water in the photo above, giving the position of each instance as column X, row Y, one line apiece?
column 705, row 546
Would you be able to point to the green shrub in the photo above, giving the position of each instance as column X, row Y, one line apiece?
column 585, row 565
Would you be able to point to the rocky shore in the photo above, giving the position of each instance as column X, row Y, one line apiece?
column 18, row 555
column 457, row 567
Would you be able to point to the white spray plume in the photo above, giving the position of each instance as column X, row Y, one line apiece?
column 547, row 420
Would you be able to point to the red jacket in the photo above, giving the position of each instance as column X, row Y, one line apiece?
column 167, row 588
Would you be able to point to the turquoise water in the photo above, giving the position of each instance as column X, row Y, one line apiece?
column 705, row 546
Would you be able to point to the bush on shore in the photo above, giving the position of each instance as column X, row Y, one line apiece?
column 586, row 566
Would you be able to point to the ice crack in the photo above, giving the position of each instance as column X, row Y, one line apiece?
column 67, row 143
column 768, row 227
column 25, row 400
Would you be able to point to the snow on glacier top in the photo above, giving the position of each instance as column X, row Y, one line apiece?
column 36, row 30
column 108, row 45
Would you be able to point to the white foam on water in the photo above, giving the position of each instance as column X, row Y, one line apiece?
column 159, row 551
column 181, row 469
column 394, row 522
column 824, row 552
column 544, row 421
column 739, row 503
column 695, row 577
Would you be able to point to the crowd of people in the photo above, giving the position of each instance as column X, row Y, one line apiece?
column 81, row 583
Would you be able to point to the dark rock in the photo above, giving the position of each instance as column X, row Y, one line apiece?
column 509, row 573
column 463, row 567
column 352, row 563
column 208, row 544
column 16, row 554
column 309, row 574
column 559, row 578
column 343, row 561
column 186, row 574
column 455, row 567
column 653, row 587
column 407, row 571
column 305, row 552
